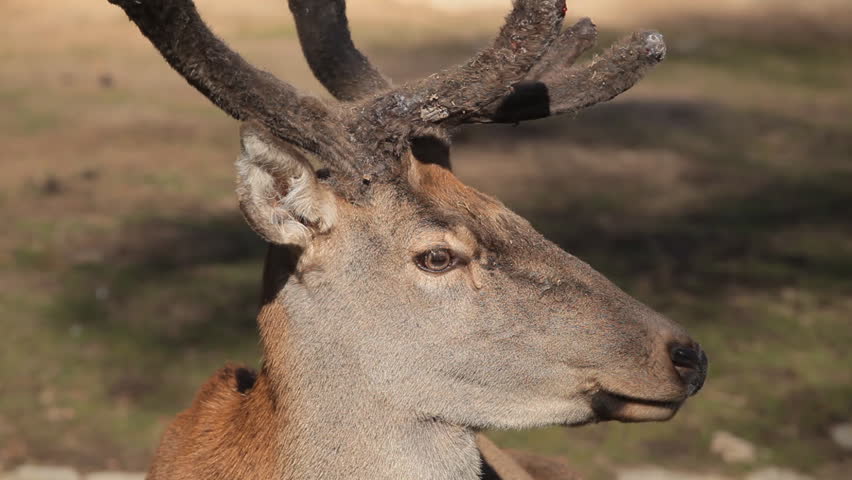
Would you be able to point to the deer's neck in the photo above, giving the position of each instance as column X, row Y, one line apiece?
column 331, row 421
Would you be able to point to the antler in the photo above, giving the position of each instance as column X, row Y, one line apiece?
column 451, row 97
column 223, row 76
column 526, row 75
column 327, row 44
column 556, row 87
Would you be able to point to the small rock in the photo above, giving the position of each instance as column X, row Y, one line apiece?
column 775, row 473
column 102, row 293
column 51, row 186
column 114, row 476
column 75, row 330
column 842, row 435
column 106, row 80
column 732, row 449
column 657, row 473
column 38, row 472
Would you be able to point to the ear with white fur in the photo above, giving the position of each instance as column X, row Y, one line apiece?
column 278, row 190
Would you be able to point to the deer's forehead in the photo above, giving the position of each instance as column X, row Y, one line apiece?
column 439, row 200
column 440, row 189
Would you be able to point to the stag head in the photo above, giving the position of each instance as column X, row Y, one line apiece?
column 444, row 301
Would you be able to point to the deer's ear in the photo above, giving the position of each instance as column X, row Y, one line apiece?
column 278, row 190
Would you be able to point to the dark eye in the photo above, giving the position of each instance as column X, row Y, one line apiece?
column 437, row 260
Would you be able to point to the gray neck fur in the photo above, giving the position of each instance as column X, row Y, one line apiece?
column 337, row 426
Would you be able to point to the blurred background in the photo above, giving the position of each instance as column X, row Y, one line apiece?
column 719, row 191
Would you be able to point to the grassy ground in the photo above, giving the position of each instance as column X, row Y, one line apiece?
column 718, row 191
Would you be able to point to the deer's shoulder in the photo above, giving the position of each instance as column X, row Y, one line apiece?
column 226, row 433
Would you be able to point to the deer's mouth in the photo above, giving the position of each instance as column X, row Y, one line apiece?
column 623, row 408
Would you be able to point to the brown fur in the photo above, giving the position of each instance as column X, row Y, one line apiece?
column 227, row 434
column 232, row 429
column 233, row 434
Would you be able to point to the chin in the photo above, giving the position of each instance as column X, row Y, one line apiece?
column 608, row 406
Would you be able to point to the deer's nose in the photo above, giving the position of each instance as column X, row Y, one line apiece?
column 691, row 364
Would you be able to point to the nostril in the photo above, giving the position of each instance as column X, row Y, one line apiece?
column 691, row 365
column 686, row 357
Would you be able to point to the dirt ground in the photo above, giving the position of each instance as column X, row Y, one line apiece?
column 718, row 191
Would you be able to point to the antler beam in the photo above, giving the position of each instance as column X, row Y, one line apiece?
column 451, row 97
column 327, row 44
column 175, row 28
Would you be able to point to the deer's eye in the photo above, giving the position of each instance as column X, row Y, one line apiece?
column 437, row 260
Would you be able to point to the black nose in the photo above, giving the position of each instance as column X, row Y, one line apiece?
column 691, row 365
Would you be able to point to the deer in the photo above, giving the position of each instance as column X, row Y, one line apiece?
column 403, row 312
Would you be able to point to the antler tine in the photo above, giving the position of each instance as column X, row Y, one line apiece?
column 450, row 98
column 556, row 88
column 327, row 44
column 243, row 91
column 568, row 47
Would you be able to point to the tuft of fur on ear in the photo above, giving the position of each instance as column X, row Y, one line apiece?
column 278, row 191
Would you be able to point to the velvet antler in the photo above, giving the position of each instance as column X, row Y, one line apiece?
column 243, row 91
column 527, row 73
column 451, row 97
column 555, row 86
column 327, row 44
